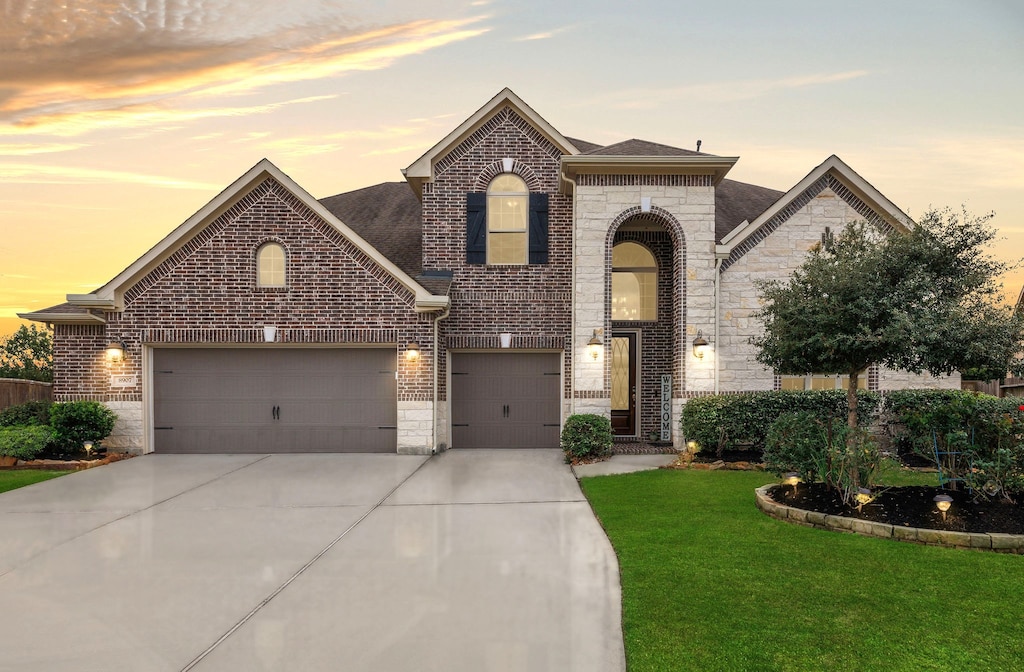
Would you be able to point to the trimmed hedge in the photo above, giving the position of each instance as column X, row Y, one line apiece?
column 76, row 422
column 586, row 436
column 741, row 421
column 24, row 442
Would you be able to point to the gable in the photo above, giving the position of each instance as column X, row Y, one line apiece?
column 506, row 106
column 229, row 203
column 833, row 175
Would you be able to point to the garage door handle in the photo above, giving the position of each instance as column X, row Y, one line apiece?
column 276, row 412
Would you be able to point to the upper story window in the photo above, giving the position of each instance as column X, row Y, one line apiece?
column 270, row 266
column 507, row 224
column 634, row 283
column 507, row 217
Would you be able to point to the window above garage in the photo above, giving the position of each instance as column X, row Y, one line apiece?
column 507, row 225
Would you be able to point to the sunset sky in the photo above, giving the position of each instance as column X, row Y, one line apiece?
column 118, row 120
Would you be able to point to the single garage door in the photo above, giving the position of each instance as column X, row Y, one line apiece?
column 263, row 400
column 505, row 400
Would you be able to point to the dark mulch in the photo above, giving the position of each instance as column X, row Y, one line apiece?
column 911, row 506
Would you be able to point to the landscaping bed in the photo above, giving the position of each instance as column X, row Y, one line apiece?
column 910, row 506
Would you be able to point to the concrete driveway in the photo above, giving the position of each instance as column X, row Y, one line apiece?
column 474, row 561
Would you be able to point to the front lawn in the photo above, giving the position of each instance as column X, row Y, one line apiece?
column 11, row 480
column 711, row 583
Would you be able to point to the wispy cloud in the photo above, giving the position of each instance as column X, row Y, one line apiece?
column 73, row 68
column 548, row 34
column 726, row 92
column 34, row 149
column 18, row 173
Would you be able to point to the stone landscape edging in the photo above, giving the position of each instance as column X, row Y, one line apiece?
column 984, row 541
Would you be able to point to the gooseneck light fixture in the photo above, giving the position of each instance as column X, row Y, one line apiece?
column 700, row 345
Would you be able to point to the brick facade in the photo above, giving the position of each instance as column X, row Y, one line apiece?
column 337, row 294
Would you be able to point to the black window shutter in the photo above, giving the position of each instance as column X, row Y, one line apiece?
column 476, row 228
column 538, row 228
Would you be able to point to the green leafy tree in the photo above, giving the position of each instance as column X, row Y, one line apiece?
column 27, row 354
column 926, row 298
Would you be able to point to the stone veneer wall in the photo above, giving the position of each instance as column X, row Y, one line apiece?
column 206, row 293
column 775, row 257
column 684, row 206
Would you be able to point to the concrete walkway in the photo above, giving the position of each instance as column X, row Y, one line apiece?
column 473, row 561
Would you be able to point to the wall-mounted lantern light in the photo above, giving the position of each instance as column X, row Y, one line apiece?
column 700, row 345
column 594, row 346
column 942, row 503
column 115, row 351
column 412, row 351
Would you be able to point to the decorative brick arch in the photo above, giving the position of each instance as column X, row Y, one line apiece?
column 675, row 231
column 491, row 171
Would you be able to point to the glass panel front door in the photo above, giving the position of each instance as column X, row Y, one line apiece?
column 624, row 384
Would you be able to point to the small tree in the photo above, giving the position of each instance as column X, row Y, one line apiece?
column 27, row 354
column 921, row 299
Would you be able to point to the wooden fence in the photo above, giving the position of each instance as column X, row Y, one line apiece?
column 14, row 391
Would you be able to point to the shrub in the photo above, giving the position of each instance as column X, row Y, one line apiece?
column 795, row 442
column 848, row 466
column 586, row 435
column 736, row 421
column 76, row 422
column 29, row 413
column 24, row 442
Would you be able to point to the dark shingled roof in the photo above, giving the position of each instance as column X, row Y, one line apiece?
column 388, row 217
column 583, row 145
column 636, row 147
column 739, row 201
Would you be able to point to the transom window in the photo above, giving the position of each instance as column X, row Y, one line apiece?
column 634, row 282
column 270, row 266
column 507, row 218
column 822, row 381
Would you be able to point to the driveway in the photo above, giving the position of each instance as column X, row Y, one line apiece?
column 475, row 561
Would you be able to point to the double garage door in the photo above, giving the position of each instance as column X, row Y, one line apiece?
column 505, row 400
column 263, row 400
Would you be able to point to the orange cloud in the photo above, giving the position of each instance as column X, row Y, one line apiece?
column 69, row 71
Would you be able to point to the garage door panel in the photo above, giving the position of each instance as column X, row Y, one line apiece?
column 505, row 400
column 224, row 400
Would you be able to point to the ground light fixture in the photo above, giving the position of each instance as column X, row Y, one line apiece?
column 594, row 346
column 412, row 351
column 942, row 503
column 115, row 351
column 863, row 497
column 700, row 345
column 88, row 447
column 791, row 478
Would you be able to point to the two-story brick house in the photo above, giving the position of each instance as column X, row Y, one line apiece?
column 516, row 277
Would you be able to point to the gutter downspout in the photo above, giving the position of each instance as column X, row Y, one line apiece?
column 718, row 275
column 437, row 320
column 572, row 302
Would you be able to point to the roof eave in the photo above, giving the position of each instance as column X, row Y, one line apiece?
column 64, row 318
column 602, row 164
column 432, row 303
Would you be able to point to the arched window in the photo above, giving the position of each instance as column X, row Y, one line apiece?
column 634, row 283
column 507, row 218
column 270, row 266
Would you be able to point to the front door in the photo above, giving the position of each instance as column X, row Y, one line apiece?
column 624, row 383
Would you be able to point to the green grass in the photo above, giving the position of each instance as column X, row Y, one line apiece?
column 711, row 583
column 11, row 480
column 892, row 473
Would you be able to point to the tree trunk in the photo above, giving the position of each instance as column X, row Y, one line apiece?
column 851, row 432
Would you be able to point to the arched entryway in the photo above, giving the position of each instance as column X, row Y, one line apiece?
column 645, row 314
